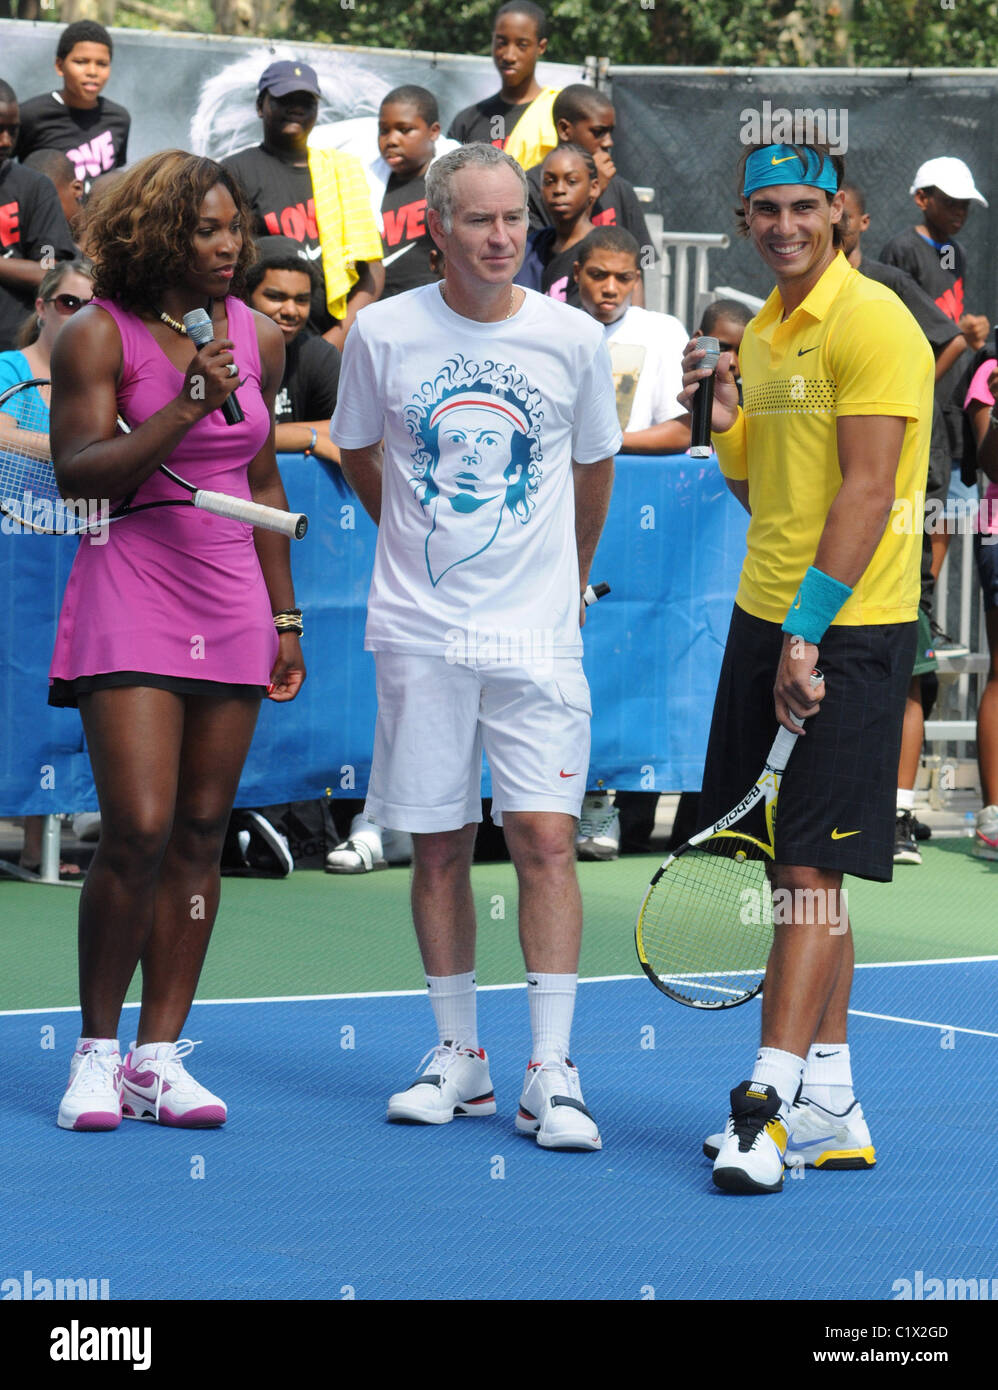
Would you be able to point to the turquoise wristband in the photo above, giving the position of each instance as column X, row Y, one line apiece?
column 818, row 600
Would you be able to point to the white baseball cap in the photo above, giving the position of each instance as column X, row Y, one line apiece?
column 950, row 176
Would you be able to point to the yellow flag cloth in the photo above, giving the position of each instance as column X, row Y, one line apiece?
column 534, row 134
column 347, row 230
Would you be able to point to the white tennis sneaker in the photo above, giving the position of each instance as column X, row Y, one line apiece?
column 456, row 1082
column 986, row 833
column 750, row 1158
column 819, row 1138
column 163, row 1091
column 552, row 1109
column 598, row 835
column 93, row 1096
column 361, row 853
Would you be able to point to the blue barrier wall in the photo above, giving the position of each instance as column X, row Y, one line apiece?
column 671, row 551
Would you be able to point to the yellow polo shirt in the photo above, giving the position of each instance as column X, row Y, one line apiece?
column 851, row 348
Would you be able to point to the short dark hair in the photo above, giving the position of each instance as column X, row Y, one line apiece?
column 83, row 31
column 616, row 239
column 570, row 147
column 279, row 257
column 856, row 192
column 424, row 102
column 818, row 147
column 724, row 309
column 578, row 100
column 7, row 93
column 528, row 8
column 53, row 164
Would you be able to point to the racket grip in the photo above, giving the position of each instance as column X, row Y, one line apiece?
column 785, row 742
column 293, row 524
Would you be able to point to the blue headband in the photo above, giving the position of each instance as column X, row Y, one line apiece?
column 781, row 164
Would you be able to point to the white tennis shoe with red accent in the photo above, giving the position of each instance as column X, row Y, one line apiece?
column 552, row 1108
column 456, row 1082
column 161, row 1089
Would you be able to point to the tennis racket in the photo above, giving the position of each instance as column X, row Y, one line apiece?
column 30, row 498
column 705, row 928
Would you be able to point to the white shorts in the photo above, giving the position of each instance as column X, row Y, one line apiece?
column 435, row 718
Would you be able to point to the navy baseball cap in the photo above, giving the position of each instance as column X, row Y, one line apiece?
column 282, row 78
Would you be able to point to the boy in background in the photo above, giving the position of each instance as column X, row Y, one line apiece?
column 583, row 116
column 518, row 117
column 943, row 191
column 77, row 120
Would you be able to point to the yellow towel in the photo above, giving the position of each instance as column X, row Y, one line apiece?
column 347, row 230
column 534, row 134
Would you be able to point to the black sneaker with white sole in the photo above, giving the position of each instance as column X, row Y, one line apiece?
column 906, row 849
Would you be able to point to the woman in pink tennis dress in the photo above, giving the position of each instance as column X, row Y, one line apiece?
column 175, row 623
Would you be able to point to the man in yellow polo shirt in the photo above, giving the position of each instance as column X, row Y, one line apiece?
column 837, row 380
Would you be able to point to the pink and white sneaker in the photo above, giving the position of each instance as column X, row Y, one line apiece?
column 160, row 1089
column 93, row 1096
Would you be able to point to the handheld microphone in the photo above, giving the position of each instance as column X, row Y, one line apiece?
column 703, row 401
column 200, row 331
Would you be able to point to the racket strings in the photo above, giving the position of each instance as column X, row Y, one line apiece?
column 26, row 476
column 706, row 927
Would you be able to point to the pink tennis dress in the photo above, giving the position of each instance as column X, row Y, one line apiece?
column 175, row 594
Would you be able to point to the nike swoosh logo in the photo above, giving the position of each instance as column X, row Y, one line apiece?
column 801, row 352
column 387, row 260
column 838, row 834
column 826, row 1054
column 568, row 774
column 774, row 160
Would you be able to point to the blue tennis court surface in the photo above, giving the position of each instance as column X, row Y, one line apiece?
column 308, row 1194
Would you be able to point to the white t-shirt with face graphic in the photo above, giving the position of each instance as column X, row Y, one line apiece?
column 476, row 554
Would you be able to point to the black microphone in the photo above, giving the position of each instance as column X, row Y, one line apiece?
column 703, row 401
column 201, row 331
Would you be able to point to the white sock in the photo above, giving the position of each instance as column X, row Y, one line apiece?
column 455, row 1007
column 150, row 1052
column 107, row 1046
column 906, row 799
column 828, row 1077
column 552, row 1005
column 781, row 1070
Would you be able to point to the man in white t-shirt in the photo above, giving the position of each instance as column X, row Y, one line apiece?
column 646, row 349
column 476, row 422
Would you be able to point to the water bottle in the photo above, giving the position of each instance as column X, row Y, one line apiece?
column 969, row 824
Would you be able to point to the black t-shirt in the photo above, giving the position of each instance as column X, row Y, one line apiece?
column 939, row 330
column 280, row 197
column 490, row 122
column 406, row 237
column 310, row 382
column 617, row 206
column 96, row 140
column 940, row 271
column 548, row 270
column 31, row 220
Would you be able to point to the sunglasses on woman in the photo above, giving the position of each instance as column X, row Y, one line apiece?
column 67, row 303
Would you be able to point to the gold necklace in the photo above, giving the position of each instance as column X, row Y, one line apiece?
column 507, row 315
column 172, row 323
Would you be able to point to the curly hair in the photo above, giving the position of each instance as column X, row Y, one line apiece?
column 140, row 236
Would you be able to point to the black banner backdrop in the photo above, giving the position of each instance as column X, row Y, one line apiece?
column 679, row 130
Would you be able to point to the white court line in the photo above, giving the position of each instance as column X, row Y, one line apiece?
column 522, row 984
column 923, row 1023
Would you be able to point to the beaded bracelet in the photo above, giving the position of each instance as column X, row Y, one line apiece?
column 289, row 620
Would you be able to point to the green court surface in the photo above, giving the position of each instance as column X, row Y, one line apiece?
column 316, row 933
